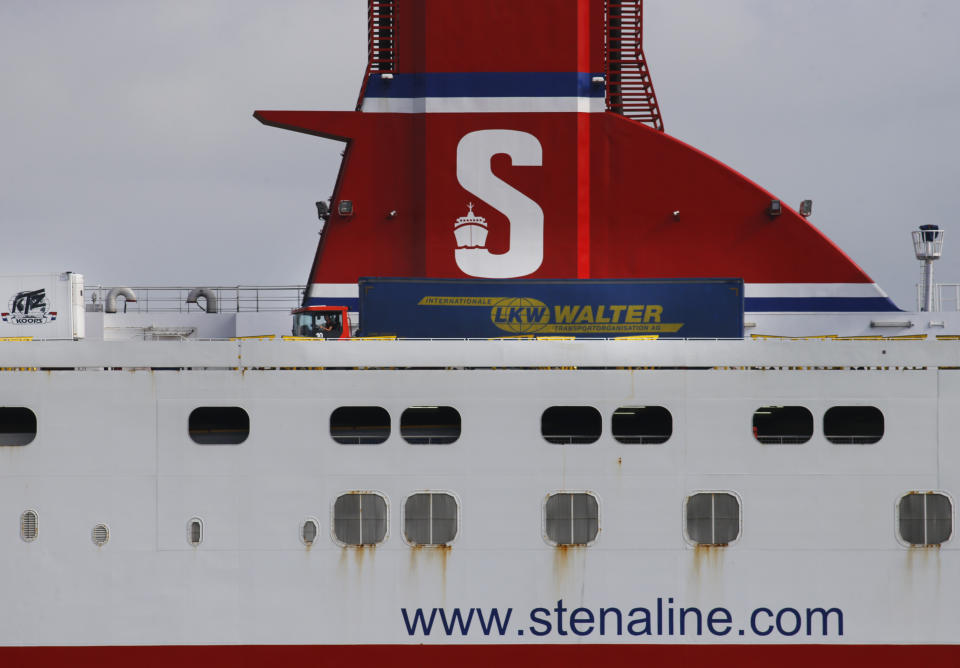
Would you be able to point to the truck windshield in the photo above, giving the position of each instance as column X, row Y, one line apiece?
column 318, row 324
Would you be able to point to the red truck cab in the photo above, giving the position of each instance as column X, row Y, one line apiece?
column 321, row 322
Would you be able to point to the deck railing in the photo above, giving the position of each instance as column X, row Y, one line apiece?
column 230, row 299
column 783, row 438
column 946, row 297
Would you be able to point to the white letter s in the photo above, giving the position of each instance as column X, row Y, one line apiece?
column 525, row 252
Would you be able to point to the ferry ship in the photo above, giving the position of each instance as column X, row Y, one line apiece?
column 786, row 496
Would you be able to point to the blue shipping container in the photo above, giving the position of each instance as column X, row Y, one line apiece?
column 422, row 308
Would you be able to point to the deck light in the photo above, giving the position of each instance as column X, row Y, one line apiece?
column 806, row 208
column 323, row 211
column 345, row 208
column 775, row 208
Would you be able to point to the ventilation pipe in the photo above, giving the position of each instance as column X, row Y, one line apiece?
column 208, row 295
column 110, row 305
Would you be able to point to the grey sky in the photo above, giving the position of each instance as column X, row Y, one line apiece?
column 128, row 151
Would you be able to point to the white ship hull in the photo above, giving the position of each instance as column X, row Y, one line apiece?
column 818, row 519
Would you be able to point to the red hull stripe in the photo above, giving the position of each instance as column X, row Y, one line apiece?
column 468, row 656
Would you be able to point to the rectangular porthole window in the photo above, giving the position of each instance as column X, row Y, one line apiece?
column 782, row 424
column 219, row 425
column 438, row 425
column 925, row 519
column 713, row 518
column 360, row 425
column 571, row 424
column 430, row 518
column 571, row 518
column 642, row 424
column 853, row 424
column 360, row 518
column 18, row 425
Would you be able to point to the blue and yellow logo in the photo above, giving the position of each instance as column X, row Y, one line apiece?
column 521, row 315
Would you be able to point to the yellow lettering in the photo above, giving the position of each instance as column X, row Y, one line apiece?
column 617, row 310
column 635, row 313
column 653, row 313
column 565, row 313
column 600, row 317
column 586, row 314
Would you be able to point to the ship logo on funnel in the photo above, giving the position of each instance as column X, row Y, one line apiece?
column 471, row 230
column 524, row 231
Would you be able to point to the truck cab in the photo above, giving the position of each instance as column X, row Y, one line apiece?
column 321, row 322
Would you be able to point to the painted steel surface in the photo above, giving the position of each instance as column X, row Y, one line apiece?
column 438, row 308
column 496, row 124
column 818, row 519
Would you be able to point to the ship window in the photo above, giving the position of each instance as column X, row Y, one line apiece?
column 430, row 518
column 309, row 530
column 571, row 519
column 29, row 525
column 360, row 518
column 359, row 425
column 18, row 426
column 219, row 425
column 100, row 534
column 642, row 424
column 195, row 531
column 853, row 424
column 713, row 518
column 925, row 519
column 571, row 424
column 782, row 424
column 430, row 424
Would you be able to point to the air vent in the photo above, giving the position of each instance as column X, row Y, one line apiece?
column 713, row 518
column 29, row 525
column 925, row 519
column 309, row 530
column 195, row 531
column 100, row 534
column 360, row 518
column 571, row 519
column 430, row 518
